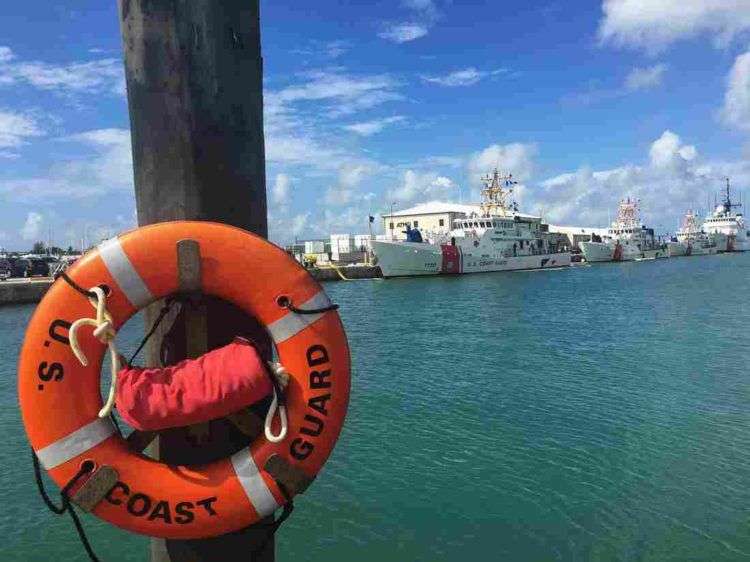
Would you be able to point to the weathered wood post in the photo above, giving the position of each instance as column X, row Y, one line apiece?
column 195, row 92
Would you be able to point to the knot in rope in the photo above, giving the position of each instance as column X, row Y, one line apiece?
column 279, row 379
column 104, row 332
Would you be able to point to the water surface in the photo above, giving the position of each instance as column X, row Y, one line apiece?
column 597, row 413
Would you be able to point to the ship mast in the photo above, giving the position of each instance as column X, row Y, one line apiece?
column 628, row 214
column 728, row 205
column 496, row 194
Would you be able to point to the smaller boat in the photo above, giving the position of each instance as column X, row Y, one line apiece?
column 691, row 240
column 626, row 239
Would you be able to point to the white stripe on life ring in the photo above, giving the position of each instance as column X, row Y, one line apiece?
column 292, row 324
column 81, row 440
column 124, row 273
column 252, row 482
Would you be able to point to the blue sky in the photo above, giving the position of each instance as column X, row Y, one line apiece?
column 401, row 101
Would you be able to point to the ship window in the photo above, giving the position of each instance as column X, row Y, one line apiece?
column 391, row 226
column 416, row 224
column 441, row 222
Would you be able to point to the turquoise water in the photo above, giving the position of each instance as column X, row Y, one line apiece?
column 598, row 413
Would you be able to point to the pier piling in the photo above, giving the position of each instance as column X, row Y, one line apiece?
column 194, row 77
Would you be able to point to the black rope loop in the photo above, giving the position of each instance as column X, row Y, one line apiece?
column 86, row 467
column 86, row 293
column 162, row 314
column 273, row 527
column 285, row 302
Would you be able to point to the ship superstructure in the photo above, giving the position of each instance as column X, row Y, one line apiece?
column 626, row 239
column 691, row 240
column 496, row 237
column 728, row 227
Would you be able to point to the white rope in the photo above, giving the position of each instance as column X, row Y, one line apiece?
column 282, row 376
column 105, row 333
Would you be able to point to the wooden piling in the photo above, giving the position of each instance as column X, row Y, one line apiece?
column 195, row 93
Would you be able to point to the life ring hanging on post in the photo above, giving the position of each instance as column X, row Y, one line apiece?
column 60, row 398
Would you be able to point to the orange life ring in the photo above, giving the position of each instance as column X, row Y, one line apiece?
column 60, row 398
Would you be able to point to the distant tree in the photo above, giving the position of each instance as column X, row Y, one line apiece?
column 38, row 248
column 56, row 251
column 70, row 251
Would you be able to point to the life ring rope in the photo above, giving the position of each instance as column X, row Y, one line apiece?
column 279, row 376
column 105, row 333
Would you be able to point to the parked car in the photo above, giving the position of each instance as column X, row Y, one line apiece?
column 39, row 267
column 19, row 267
column 5, row 269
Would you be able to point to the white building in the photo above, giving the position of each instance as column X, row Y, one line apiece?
column 576, row 234
column 315, row 247
column 434, row 217
column 362, row 242
column 341, row 244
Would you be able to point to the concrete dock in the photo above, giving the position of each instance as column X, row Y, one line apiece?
column 24, row 291
column 348, row 272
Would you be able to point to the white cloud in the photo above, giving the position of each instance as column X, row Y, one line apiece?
column 404, row 32
column 736, row 110
column 349, row 180
column 103, row 137
column 673, row 179
column 427, row 6
column 639, row 78
column 298, row 223
column 515, row 158
column 330, row 49
column 111, row 168
column 668, row 152
column 297, row 117
column 442, row 161
column 290, row 146
column 6, row 54
column 103, row 166
column 429, row 185
column 466, row 77
column 369, row 128
column 645, row 78
column 345, row 94
column 281, row 188
column 350, row 219
column 103, row 76
column 425, row 14
column 32, row 228
column 654, row 24
column 16, row 128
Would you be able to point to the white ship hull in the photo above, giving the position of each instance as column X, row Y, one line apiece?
column 720, row 240
column 603, row 251
column 406, row 259
column 699, row 250
column 397, row 259
column 597, row 251
column 695, row 249
column 677, row 249
column 737, row 244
